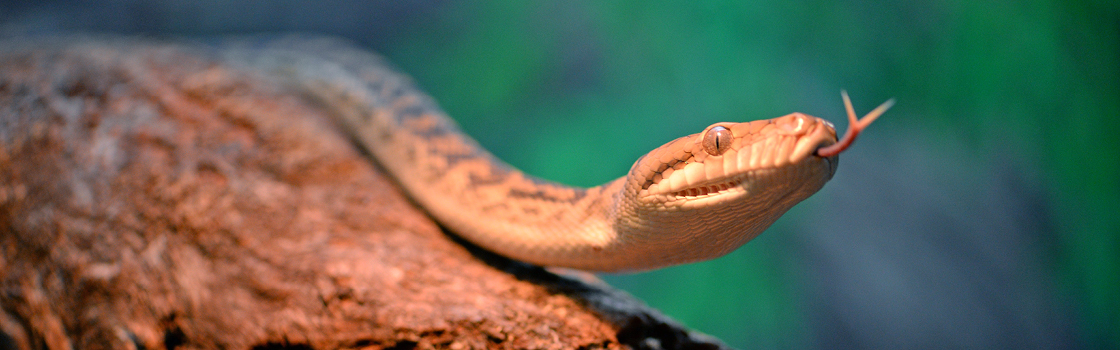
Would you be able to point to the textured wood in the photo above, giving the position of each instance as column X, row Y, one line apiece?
column 153, row 196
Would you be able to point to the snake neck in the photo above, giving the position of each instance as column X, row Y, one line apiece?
column 447, row 173
column 500, row 208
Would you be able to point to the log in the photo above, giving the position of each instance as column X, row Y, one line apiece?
column 155, row 196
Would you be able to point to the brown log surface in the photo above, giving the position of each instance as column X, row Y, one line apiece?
column 154, row 196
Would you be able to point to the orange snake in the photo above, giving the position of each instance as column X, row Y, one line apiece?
column 695, row 198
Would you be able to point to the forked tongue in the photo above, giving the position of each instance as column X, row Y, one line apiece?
column 855, row 126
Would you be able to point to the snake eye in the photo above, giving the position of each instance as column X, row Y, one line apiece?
column 717, row 140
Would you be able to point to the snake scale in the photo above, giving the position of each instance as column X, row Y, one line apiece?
column 695, row 198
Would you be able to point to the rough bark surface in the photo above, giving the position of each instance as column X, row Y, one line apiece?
column 153, row 196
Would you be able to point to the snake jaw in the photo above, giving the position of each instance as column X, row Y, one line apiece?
column 708, row 190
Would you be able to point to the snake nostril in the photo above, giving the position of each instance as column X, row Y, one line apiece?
column 796, row 125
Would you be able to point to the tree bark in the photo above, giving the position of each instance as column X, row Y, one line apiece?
column 153, row 195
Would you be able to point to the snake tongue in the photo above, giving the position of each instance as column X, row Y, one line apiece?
column 855, row 126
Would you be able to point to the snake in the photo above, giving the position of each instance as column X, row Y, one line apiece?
column 695, row 198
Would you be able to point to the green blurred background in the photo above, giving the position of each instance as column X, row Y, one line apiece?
column 980, row 212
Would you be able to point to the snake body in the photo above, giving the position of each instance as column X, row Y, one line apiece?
column 695, row 198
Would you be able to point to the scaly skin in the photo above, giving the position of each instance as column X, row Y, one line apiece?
column 682, row 202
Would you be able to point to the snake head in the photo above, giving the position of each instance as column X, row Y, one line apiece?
column 727, row 184
column 727, row 159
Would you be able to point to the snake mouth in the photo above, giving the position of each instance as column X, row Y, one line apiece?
column 708, row 190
